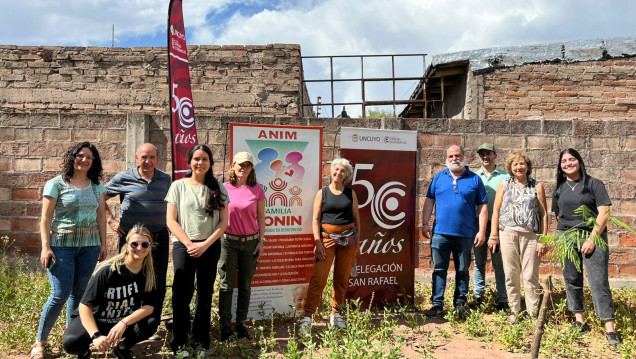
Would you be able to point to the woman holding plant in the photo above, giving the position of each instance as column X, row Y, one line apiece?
column 519, row 215
column 575, row 188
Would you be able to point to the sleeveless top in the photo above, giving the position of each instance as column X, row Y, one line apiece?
column 336, row 209
column 520, row 206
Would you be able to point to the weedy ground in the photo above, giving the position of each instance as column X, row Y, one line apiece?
column 398, row 330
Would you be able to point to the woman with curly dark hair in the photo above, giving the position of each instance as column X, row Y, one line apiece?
column 196, row 217
column 73, row 233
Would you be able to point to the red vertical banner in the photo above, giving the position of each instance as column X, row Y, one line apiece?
column 182, row 125
column 384, row 180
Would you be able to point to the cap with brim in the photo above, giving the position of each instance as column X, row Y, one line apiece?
column 487, row 146
column 243, row 157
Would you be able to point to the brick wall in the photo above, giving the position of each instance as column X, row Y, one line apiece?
column 543, row 109
column 252, row 80
column 53, row 96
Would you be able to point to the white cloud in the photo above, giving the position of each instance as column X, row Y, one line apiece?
column 321, row 27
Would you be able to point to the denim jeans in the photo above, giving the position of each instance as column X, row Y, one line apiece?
column 236, row 258
column 69, row 277
column 442, row 247
column 597, row 275
column 479, row 270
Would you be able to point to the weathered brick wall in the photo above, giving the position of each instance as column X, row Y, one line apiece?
column 53, row 96
column 33, row 145
column 543, row 109
column 524, row 107
column 250, row 80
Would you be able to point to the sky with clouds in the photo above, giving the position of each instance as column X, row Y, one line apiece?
column 322, row 27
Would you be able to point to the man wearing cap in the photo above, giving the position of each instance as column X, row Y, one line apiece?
column 491, row 176
column 142, row 191
column 458, row 195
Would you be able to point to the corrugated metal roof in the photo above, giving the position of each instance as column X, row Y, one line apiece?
column 570, row 51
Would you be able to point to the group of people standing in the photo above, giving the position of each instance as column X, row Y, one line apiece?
column 220, row 228
column 505, row 213
column 213, row 227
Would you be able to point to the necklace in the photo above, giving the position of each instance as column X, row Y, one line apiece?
column 572, row 187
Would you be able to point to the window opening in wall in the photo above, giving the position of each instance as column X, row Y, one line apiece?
column 363, row 85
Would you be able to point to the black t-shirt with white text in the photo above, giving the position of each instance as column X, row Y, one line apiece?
column 571, row 199
column 114, row 296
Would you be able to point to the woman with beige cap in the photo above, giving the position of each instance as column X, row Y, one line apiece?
column 242, row 243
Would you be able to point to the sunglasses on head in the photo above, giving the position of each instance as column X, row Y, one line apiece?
column 144, row 245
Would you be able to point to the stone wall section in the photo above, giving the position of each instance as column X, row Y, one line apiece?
column 252, row 80
column 543, row 109
column 51, row 97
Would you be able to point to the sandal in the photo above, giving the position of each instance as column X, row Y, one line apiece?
column 37, row 351
column 512, row 319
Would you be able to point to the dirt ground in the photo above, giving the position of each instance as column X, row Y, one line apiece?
column 437, row 339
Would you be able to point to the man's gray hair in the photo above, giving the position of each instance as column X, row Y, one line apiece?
column 461, row 149
column 344, row 162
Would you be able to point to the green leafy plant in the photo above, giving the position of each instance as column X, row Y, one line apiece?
column 567, row 244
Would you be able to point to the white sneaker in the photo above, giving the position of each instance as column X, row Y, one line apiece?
column 336, row 320
column 304, row 326
column 181, row 354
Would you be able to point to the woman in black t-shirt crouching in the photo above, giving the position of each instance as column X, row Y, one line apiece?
column 575, row 188
column 116, row 307
column 335, row 225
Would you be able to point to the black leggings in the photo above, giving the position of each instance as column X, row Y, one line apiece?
column 77, row 341
column 186, row 268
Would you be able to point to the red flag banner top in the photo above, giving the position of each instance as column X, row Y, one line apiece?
column 182, row 125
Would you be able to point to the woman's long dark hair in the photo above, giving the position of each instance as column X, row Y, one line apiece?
column 561, row 178
column 95, row 173
column 215, row 199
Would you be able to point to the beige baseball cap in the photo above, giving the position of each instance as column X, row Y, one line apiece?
column 243, row 157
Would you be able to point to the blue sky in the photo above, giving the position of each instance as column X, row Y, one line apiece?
column 321, row 27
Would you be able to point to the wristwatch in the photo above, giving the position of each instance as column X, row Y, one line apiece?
column 262, row 240
column 96, row 335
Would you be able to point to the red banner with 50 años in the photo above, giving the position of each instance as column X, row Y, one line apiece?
column 384, row 180
column 182, row 124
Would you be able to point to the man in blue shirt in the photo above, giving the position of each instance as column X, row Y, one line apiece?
column 457, row 194
column 491, row 176
column 142, row 192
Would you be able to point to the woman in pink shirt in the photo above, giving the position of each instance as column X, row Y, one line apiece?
column 242, row 243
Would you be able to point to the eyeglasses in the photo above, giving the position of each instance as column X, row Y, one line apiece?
column 83, row 158
column 144, row 245
column 455, row 185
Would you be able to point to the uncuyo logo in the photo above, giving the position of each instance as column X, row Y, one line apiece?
column 354, row 138
column 184, row 108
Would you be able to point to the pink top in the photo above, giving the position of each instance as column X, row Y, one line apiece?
column 243, row 208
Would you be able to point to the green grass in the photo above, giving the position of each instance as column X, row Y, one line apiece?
column 375, row 333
